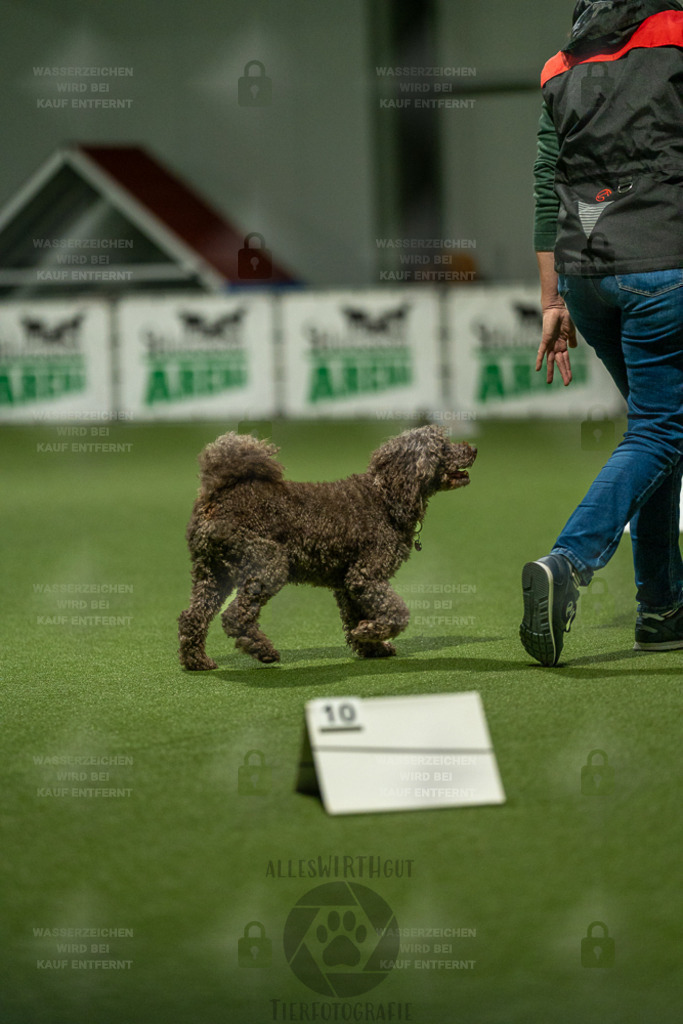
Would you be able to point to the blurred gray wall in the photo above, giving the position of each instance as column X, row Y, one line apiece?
column 303, row 171
column 488, row 151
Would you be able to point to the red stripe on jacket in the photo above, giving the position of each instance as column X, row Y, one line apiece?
column 663, row 29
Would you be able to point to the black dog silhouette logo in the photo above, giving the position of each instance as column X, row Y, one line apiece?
column 341, row 939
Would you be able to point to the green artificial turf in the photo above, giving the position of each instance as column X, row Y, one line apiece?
column 185, row 861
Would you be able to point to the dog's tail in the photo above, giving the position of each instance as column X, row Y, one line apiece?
column 233, row 458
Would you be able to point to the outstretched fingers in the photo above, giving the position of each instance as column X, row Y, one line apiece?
column 559, row 335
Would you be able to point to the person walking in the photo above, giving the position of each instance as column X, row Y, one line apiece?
column 608, row 234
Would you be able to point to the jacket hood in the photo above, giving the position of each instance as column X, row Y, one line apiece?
column 606, row 24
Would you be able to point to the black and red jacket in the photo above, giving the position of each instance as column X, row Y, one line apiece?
column 615, row 97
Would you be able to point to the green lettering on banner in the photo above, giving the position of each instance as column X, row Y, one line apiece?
column 177, row 377
column 521, row 377
column 490, row 383
column 157, row 387
column 321, row 383
column 29, row 386
column 234, row 376
column 6, row 396
column 349, row 372
column 34, row 381
column 187, row 377
column 511, row 373
column 350, row 383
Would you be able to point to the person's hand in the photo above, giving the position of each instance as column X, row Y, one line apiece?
column 559, row 335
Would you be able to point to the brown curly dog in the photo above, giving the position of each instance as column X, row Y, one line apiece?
column 255, row 531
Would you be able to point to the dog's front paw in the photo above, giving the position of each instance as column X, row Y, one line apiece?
column 269, row 657
column 369, row 629
column 263, row 652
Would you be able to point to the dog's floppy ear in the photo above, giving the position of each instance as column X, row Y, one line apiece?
column 404, row 466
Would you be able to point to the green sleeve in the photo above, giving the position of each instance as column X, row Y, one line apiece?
column 545, row 197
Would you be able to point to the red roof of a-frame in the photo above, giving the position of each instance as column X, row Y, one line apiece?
column 177, row 206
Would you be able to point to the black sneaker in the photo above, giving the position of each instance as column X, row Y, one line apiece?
column 659, row 632
column 550, row 597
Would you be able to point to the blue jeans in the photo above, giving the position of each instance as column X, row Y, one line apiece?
column 635, row 324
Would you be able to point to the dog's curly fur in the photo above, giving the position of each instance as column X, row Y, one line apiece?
column 254, row 531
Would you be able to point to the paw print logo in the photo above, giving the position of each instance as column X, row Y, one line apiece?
column 340, row 938
column 341, row 950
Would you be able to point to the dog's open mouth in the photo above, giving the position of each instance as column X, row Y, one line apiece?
column 456, row 478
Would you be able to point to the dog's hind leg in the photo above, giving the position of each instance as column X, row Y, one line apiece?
column 210, row 587
column 351, row 614
column 384, row 614
column 264, row 571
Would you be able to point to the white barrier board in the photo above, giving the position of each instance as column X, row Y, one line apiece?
column 494, row 333
column 196, row 357
column 54, row 360
column 361, row 353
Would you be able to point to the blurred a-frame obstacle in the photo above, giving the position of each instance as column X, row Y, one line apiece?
column 113, row 219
